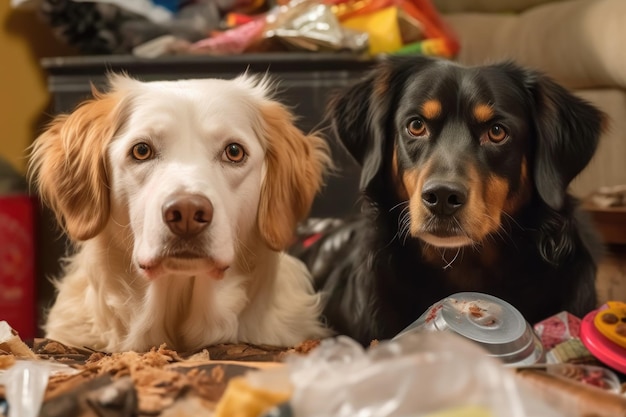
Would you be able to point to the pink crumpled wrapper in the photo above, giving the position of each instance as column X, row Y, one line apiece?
column 557, row 329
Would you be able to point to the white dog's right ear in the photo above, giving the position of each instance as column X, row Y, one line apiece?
column 68, row 167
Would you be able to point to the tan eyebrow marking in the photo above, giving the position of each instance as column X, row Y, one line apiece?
column 483, row 113
column 431, row 109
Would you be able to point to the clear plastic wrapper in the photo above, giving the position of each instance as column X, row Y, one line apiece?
column 25, row 385
column 419, row 375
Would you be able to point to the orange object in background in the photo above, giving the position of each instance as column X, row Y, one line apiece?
column 434, row 37
column 17, row 263
column 382, row 27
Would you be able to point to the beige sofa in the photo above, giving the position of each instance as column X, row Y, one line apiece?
column 580, row 43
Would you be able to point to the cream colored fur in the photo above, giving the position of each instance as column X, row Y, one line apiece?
column 125, row 287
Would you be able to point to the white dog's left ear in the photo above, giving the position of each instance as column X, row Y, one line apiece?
column 296, row 164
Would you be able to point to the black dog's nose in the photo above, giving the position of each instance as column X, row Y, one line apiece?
column 186, row 215
column 443, row 198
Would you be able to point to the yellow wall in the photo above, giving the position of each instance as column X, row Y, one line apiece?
column 24, row 101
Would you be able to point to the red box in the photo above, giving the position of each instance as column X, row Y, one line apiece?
column 17, row 264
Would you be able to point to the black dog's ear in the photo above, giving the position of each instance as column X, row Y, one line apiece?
column 351, row 120
column 568, row 132
column 360, row 116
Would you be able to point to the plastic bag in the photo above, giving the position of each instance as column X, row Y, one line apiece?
column 428, row 374
column 398, row 26
column 25, row 384
column 301, row 24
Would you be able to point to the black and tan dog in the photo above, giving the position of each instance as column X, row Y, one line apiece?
column 464, row 174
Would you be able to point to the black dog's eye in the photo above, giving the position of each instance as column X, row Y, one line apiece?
column 416, row 127
column 234, row 152
column 142, row 152
column 497, row 133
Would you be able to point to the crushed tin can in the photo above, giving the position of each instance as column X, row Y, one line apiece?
column 489, row 321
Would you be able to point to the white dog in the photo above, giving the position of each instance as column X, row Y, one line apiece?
column 180, row 196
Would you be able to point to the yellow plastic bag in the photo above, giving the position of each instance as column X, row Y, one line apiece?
column 382, row 28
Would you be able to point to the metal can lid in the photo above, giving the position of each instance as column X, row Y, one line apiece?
column 483, row 318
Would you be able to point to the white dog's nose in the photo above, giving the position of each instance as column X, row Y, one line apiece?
column 186, row 215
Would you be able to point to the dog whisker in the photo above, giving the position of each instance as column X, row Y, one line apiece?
column 463, row 230
column 248, row 254
column 406, row 226
column 449, row 264
column 501, row 232
column 400, row 204
column 117, row 223
column 407, row 234
column 404, row 222
column 512, row 219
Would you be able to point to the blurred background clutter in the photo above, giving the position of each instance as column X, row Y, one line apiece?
column 158, row 27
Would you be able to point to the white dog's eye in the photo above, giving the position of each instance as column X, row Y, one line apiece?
column 234, row 152
column 142, row 151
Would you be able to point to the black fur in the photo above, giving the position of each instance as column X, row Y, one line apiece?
column 541, row 255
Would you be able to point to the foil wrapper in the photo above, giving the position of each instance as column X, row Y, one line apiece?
column 300, row 24
column 312, row 26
